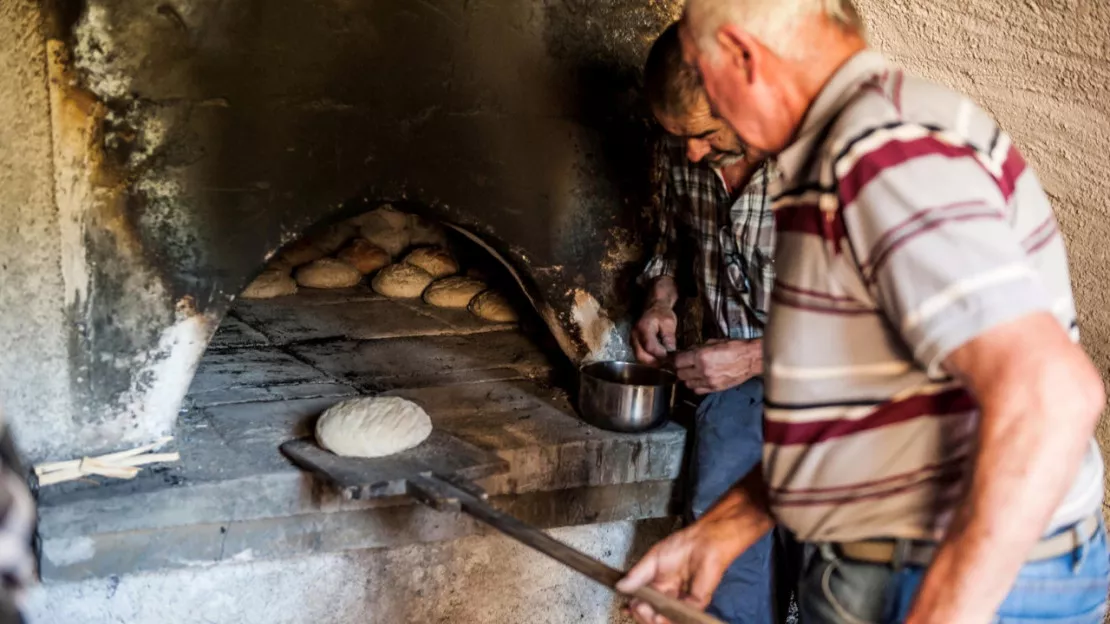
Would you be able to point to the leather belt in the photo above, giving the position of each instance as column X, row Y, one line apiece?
column 920, row 553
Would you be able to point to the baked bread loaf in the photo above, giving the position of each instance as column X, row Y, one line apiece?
column 364, row 256
column 387, row 228
column 453, row 292
column 269, row 284
column 299, row 252
column 401, row 281
column 435, row 260
column 493, row 306
column 328, row 273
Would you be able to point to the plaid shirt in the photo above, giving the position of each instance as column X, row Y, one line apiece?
column 732, row 240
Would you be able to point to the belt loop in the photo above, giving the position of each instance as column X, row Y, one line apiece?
column 828, row 553
column 901, row 553
column 1079, row 548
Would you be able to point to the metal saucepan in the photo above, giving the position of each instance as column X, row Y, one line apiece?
column 625, row 396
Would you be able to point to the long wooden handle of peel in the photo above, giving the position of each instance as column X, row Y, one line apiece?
column 673, row 609
column 432, row 488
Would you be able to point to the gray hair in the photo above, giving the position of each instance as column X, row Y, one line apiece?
column 773, row 22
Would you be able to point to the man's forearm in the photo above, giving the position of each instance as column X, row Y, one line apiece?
column 753, row 354
column 689, row 564
column 1035, row 428
column 747, row 502
column 663, row 292
column 1013, row 495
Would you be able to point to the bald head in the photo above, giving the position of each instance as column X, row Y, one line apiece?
column 762, row 62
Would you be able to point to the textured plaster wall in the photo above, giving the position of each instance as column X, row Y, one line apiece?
column 1042, row 67
column 95, row 351
column 34, row 372
column 476, row 580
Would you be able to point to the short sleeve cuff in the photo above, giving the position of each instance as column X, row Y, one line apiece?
column 657, row 267
column 971, row 315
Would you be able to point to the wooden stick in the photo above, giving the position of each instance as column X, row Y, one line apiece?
column 46, row 467
column 60, row 476
column 150, row 458
column 122, row 465
column 91, row 466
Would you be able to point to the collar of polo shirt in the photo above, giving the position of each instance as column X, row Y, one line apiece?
column 841, row 87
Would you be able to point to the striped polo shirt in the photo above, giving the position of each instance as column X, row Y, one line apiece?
column 908, row 224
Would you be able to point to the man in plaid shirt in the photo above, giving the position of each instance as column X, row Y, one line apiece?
column 715, row 211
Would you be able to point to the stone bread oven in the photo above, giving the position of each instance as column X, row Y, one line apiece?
column 174, row 149
column 190, row 140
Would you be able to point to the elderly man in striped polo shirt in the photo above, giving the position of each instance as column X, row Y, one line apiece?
column 716, row 213
column 930, row 414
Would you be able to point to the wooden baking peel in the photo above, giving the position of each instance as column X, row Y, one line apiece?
column 438, row 473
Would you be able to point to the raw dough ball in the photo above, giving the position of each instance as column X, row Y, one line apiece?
column 372, row 427
column 328, row 273
column 401, row 281
column 270, row 283
column 425, row 232
column 434, row 260
column 493, row 306
column 300, row 252
column 453, row 292
column 364, row 256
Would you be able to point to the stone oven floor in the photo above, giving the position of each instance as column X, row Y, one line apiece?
column 273, row 366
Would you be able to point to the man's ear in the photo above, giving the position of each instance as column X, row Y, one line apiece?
column 740, row 49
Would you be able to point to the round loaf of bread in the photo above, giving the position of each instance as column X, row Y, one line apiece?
column 270, row 283
column 401, row 281
column 280, row 264
column 387, row 228
column 453, row 292
column 493, row 306
column 394, row 242
column 364, row 256
column 332, row 239
column 435, row 260
column 328, row 273
column 372, row 427
column 301, row 251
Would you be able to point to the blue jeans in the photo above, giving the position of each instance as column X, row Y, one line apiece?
column 1069, row 589
column 728, row 432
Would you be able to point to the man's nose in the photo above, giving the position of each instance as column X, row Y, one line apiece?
column 697, row 149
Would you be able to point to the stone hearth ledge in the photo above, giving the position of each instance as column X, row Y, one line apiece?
column 234, row 497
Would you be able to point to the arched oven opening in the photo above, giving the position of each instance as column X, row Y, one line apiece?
column 386, row 301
